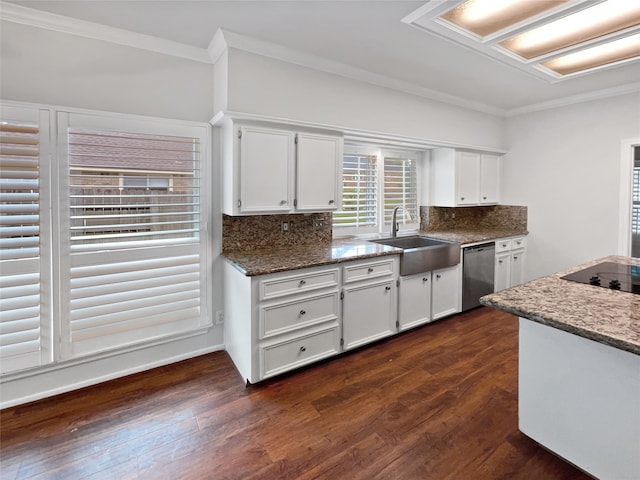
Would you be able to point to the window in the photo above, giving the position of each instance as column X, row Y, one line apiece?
column 126, row 244
column 374, row 183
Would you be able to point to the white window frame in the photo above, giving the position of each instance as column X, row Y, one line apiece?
column 380, row 153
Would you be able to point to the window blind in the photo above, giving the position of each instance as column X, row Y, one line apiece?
column 400, row 190
column 22, row 251
column 359, row 192
column 134, row 237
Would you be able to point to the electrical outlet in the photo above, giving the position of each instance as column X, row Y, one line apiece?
column 318, row 223
column 219, row 317
column 285, row 227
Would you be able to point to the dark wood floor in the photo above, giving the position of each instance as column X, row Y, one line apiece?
column 438, row 402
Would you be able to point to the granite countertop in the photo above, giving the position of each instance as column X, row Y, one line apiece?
column 465, row 237
column 280, row 259
column 600, row 314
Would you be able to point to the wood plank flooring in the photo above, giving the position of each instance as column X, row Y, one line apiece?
column 438, row 402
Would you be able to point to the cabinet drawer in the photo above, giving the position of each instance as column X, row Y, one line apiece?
column 503, row 245
column 284, row 317
column 364, row 271
column 294, row 353
column 518, row 242
column 305, row 282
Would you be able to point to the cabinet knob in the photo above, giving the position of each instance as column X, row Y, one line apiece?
column 302, row 312
column 484, row 198
column 438, row 276
column 302, row 282
column 283, row 202
column 425, row 279
column 515, row 258
column 499, row 261
column 387, row 288
column 303, row 348
column 461, row 198
column 370, row 269
column 331, row 202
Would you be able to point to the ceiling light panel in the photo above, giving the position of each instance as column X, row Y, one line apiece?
column 617, row 51
column 602, row 19
column 485, row 17
column 550, row 39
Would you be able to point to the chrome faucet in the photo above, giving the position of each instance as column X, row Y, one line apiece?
column 394, row 222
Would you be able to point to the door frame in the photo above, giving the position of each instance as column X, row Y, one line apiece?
column 626, row 187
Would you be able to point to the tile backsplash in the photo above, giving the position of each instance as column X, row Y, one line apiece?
column 263, row 231
column 471, row 218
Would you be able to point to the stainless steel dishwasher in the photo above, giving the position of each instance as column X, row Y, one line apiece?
column 478, row 265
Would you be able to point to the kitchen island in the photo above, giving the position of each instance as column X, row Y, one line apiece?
column 579, row 370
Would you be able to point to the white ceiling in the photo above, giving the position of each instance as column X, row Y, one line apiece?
column 365, row 34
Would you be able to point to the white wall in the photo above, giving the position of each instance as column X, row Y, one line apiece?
column 262, row 85
column 43, row 66
column 52, row 68
column 564, row 164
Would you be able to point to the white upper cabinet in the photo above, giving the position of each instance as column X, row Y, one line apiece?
column 318, row 176
column 266, row 158
column 463, row 178
column 268, row 169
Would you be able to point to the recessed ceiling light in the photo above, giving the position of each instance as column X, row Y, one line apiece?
column 617, row 51
column 593, row 22
column 484, row 17
column 551, row 39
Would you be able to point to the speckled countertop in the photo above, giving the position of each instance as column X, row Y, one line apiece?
column 274, row 259
column 606, row 316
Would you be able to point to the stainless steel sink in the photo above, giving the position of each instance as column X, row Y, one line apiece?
column 423, row 254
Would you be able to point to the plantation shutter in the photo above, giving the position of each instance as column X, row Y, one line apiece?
column 135, row 233
column 25, row 298
column 401, row 190
column 359, row 193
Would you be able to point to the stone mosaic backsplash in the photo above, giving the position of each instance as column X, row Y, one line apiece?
column 264, row 231
column 499, row 217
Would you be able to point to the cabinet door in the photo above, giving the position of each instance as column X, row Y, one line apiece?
column 266, row 160
column 445, row 292
column 517, row 261
column 369, row 313
column 414, row 300
column 468, row 178
column 318, row 162
column 502, row 277
column 489, row 168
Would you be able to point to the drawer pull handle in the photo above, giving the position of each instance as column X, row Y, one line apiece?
column 283, row 202
column 387, row 288
column 504, row 245
column 303, row 348
column 302, row 282
column 425, row 279
column 331, row 202
column 302, row 312
column 515, row 258
column 370, row 269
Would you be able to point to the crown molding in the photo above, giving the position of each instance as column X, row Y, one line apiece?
column 59, row 23
column 575, row 99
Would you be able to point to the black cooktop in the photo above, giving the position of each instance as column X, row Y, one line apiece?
column 615, row 276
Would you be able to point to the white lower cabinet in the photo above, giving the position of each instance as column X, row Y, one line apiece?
column 414, row 300
column 445, row 292
column 369, row 305
column 278, row 322
column 510, row 255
